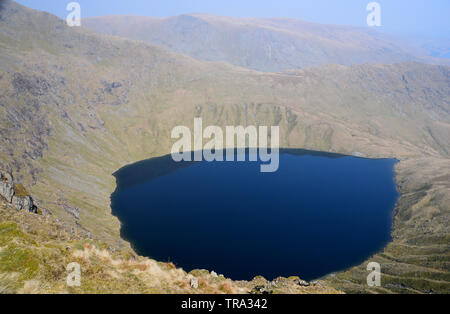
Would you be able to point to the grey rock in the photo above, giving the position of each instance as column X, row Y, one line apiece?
column 214, row 274
column 36, row 86
column 6, row 176
column 301, row 283
column 24, row 203
column 261, row 290
column 6, row 185
column 194, row 283
column 74, row 211
column 7, row 190
column 116, row 85
column 358, row 154
column 304, row 283
column 45, row 211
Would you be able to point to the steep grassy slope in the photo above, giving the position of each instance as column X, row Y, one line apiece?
column 261, row 44
column 76, row 106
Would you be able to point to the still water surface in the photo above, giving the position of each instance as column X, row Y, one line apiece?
column 317, row 214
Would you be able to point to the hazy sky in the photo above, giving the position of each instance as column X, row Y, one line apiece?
column 425, row 18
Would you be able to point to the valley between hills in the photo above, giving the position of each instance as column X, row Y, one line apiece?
column 76, row 106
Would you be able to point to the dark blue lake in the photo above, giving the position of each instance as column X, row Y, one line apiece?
column 319, row 213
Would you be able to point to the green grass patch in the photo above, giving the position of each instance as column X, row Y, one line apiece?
column 16, row 259
column 20, row 191
column 10, row 231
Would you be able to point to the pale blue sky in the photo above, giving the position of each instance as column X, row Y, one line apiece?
column 424, row 18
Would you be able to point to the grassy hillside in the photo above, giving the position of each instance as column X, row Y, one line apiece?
column 76, row 106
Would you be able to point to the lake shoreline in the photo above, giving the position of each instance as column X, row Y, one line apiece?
column 294, row 152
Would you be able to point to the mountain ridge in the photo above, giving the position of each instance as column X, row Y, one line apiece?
column 263, row 44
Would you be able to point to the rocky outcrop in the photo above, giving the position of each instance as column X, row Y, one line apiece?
column 7, row 176
column 301, row 283
column 8, row 191
column 24, row 203
column 6, row 186
column 36, row 86
column 262, row 286
column 194, row 283
column 74, row 211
